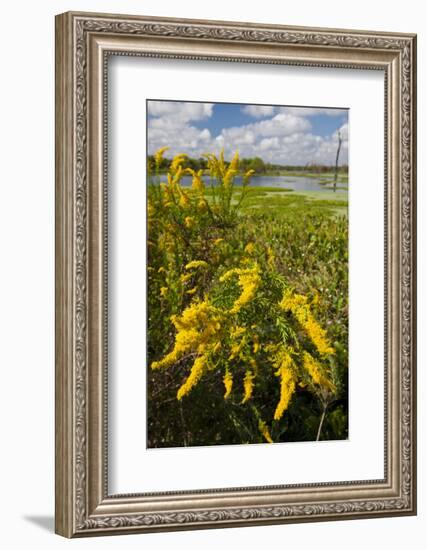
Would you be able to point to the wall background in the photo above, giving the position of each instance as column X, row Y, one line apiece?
column 27, row 273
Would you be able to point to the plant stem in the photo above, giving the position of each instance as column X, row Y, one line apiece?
column 322, row 418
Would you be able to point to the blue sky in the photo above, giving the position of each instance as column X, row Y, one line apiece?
column 281, row 134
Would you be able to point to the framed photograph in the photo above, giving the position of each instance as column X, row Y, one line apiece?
column 235, row 274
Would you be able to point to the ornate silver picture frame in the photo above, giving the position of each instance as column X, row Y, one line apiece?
column 84, row 42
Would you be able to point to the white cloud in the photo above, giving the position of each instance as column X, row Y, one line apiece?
column 180, row 110
column 285, row 138
column 258, row 111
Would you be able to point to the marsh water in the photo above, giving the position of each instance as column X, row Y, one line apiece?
column 294, row 183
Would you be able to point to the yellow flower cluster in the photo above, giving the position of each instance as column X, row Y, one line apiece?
column 196, row 373
column 247, row 176
column 231, row 171
column 249, row 280
column 189, row 222
column 316, row 372
column 197, row 328
column 197, row 183
column 159, row 155
column 218, row 168
column 284, row 363
column 228, row 383
column 250, row 248
column 262, row 426
column 194, row 264
column 270, row 258
column 248, row 386
column 177, row 162
column 299, row 306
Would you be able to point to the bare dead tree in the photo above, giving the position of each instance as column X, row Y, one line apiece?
column 336, row 160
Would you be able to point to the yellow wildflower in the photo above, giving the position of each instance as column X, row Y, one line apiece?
column 298, row 305
column 197, row 326
column 161, row 270
column 237, row 331
column 192, row 290
column 194, row 264
column 248, row 385
column 228, row 177
column 196, row 373
column 262, row 426
column 184, row 200
column 287, row 382
column 315, row 371
column 216, row 347
column 176, row 163
column 249, row 280
column 197, row 182
column 315, row 300
column 270, row 257
column 189, row 222
column 158, row 156
column 234, row 164
column 250, row 248
column 228, row 383
column 163, row 291
column 247, row 176
column 186, row 277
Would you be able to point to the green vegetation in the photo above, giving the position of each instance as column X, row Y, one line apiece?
column 248, row 309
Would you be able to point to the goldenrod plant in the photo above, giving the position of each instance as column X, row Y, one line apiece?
column 243, row 346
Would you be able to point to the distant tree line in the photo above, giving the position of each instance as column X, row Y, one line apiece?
column 252, row 163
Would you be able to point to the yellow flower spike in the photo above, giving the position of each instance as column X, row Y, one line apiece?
column 298, row 305
column 194, row 264
column 217, row 347
column 249, row 280
column 315, row 371
column 248, row 385
column 163, row 291
column 189, row 222
column 196, row 373
column 287, row 385
column 228, row 177
column 158, row 156
column 234, row 164
column 262, row 426
column 196, row 330
column 247, row 176
column 228, row 383
column 184, row 201
column 270, row 257
column 197, row 182
column 186, row 277
column 237, row 331
column 192, row 291
column 221, row 163
column 250, row 248
column 177, row 162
